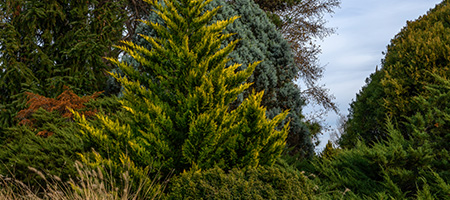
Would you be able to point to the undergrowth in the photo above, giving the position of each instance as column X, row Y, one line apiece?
column 90, row 184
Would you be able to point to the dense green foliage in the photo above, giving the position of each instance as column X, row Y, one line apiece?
column 262, row 183
column 367, row 115
column 56, row 155
column 179, row 104
column 396, row 139
column 400, row 167
column 49, row 144
column 275, row 75
column 423, row 45
column 45, row 45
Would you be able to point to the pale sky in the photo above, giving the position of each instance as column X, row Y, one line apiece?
column 364, row 29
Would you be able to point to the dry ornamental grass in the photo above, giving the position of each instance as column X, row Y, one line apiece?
column 93, row 184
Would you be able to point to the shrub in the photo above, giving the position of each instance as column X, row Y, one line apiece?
column 260, row 183
column 56, row 154
column 48, row 140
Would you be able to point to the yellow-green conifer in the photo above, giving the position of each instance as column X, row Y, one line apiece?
column 178, row 102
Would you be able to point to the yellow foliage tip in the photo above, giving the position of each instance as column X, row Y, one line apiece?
column 220, row 25
column 82, row 157
column 151, row 2
column 129, row 109
column 98, row 158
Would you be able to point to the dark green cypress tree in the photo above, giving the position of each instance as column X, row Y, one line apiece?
column 45, row 45
column 366, row 114
column 275, row 75
column 410, row 163
column 422, row 46
column 48, row 44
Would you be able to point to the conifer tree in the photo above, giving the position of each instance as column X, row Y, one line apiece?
column 275, row 75
column 423, row 45
column 410, row 162
column 366, row 118
column 47, row 44
column 179, row 113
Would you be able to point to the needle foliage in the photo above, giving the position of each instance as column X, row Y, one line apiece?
column 178, row 101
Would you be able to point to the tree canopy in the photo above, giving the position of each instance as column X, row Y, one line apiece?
column 421, row 47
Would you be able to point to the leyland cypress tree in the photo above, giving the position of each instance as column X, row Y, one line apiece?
column 275, row 75
column 178, row 102
column 420, row 47
column 411, row 163
column 366, row 118
column 47, row 44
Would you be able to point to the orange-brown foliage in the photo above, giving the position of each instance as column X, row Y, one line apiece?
column 44, row 133
column 61, row 104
